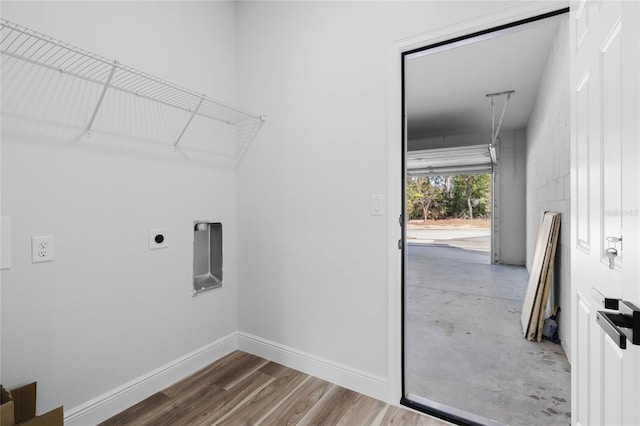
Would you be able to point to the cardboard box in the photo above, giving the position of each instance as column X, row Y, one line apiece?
column 6, row 407
column 52, row 418
column 20, row 409
column 24, row 402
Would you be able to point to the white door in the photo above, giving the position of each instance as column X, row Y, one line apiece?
column 605, row 112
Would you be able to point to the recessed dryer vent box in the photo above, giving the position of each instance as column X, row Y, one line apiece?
column 207, row 256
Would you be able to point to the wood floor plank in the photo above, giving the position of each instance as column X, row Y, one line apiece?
column 239, row 370
column 177, row 411
column 218, row 407
column 363, row 412
column 296, row 406
column 274, row 369
column 331, row 407
column 243, row 389
column 201, row 381
column 208, row 371
column 188, row 395
column 267, row 399
column 400, row 416
column 224, row 373
column 191, row 397
column 431, row 421
column 140, row 413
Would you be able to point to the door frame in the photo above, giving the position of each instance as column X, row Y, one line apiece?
column 395, row 164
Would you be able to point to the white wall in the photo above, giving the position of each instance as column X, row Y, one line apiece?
column 548, row 168
column 314, row 262
column 109, row 310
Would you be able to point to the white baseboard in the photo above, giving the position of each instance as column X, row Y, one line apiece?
column 108, row 404
column 360, row 381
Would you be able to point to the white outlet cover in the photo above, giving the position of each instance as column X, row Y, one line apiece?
column 158, row 238
column 42, row 249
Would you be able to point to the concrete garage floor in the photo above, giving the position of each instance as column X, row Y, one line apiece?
column 463, row 344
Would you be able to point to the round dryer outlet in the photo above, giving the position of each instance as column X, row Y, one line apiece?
column 158, row 238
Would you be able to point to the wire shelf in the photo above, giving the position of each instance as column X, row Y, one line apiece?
column 31, row 46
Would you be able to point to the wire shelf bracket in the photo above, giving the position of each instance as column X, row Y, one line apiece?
column 40, row 49
column 104, row 92
column 186, row 126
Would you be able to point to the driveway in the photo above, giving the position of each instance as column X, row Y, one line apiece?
column 468, row 239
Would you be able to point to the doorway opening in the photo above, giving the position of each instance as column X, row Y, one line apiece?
column 465, row 358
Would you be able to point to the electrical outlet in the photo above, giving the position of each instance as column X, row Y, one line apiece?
column 42, row 249
column 158, row 238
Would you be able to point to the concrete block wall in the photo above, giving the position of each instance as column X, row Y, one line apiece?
column 548, row 169
column 510, row 184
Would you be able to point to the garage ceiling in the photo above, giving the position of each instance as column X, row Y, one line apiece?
column 446, row 91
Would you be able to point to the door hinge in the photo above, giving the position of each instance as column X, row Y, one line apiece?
column 401, row 219
column 400, row 244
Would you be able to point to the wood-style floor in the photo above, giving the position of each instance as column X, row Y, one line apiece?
column 243, row 389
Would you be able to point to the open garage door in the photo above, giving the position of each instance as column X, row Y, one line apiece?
column 463, row 160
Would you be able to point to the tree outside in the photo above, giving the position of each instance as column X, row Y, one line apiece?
column 448, row 197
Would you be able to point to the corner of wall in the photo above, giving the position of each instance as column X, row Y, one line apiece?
column 548, row 172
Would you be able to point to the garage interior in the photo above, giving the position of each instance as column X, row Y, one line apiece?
column 464, row 349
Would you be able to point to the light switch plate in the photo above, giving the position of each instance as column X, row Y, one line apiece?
column 158, row 238
column 376, row 205
column 5, row 242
